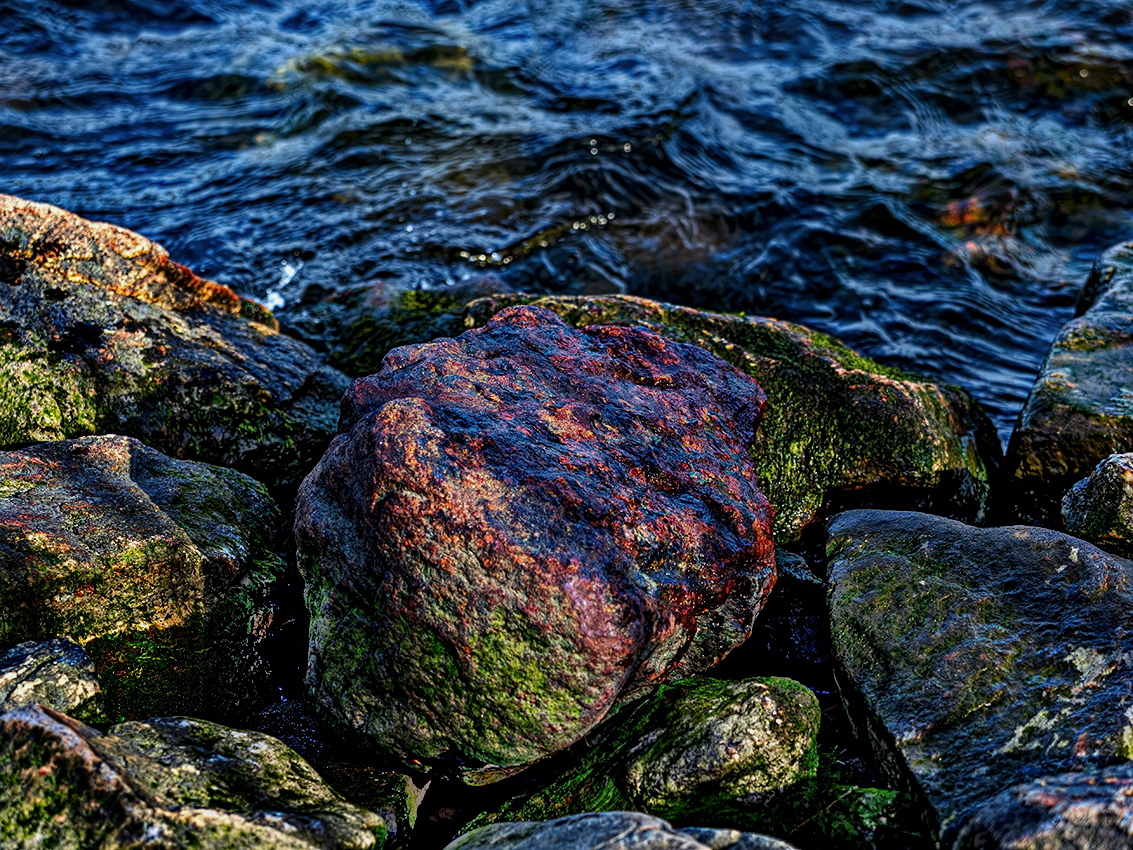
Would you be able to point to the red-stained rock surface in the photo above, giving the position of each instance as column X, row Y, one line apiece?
column 518, row 528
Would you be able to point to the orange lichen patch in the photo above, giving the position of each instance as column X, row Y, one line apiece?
column 63, row 246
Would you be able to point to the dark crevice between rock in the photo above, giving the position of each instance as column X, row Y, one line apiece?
column 11, row 268
column 77, row 340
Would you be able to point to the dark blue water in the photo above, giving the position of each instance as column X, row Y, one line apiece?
column 926, row 180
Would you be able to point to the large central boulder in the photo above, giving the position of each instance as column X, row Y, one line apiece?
column 518, row 528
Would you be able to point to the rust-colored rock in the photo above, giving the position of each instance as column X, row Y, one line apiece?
column 518, row 528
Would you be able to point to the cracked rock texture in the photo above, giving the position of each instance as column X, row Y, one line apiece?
column 985, row 656
column 166, row 784
column 839, row 431
column 1080, row 409
column 100, row 332
column 54, row 672
column 158, row 567
column 522, row 526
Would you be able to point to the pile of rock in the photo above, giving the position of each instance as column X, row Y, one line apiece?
column 526, row 540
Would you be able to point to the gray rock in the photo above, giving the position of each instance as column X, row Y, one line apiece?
column 168, row 783
column 55, row 672
column 608, row 831
column 1081, row 406
column 984, row 656
column 1091, row 810
column 158, row 567
column 1100, row 508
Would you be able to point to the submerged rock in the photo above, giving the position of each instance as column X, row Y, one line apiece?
column 984, row 656
column 101, row 333
column 358, row 326
column 158, row 567
column 699, row 750
column 1092, row 809
column 520, row 527
column 1080, row 409
column 839, row 431
column 1100, row 508
column 55, row 672
column 609, row 831
column 170, row 783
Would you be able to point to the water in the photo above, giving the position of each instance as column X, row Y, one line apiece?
column 928, row 180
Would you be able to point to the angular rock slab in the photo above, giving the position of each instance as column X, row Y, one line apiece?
column 839, row 431
column 609, row 831
column 521, row 526
column 984, row 656
column 170, row 783
column 101, row 333
column 158, row 567
column 1091, row 810
column 1080, row 409
column 697, row 751
column 56, row 673
column 1100, row 508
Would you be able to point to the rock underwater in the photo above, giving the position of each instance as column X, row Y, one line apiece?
column 839, row 431
column 158, row 567
column 985, row 656
column 519, row 528
column 101, row 333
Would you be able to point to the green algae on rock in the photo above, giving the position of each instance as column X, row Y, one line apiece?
column 56, row 673
column 693, row 751
column 101, row 333
column 982, row 655
column 158, row 567
column 608, row 831
column 1100, row 508
column 170, row 783
column 1080, row 409
column 840, row 430
column 1091, row 809
column 518, row 528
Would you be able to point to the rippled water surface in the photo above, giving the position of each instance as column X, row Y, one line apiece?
column 928, row 180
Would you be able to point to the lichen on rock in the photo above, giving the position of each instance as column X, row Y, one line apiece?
column 518, row 528
column 53, row 672
column 1099, row 508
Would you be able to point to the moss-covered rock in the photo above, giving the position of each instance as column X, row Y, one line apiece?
column 101, row 333
column 984, row 656
column 158, row 567
column 839, row 431
column 1092, row 809
column 1080, row 409
column 609, row 831
column 169, row 783
column 519, row 528
column 359, row 325
column 696, row 751
column 56, row 673
column 1100, row 508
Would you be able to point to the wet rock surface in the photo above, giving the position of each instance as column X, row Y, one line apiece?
column 167, row 783
column 1100, row 508
column 692, row 751
column 54, row 672
column 518, row 528
column 1092, row 809
column 984, row 656
column 839, row 431
column 608, row 831
column 1079, row 410
column 101, row 333
column 158, row 567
